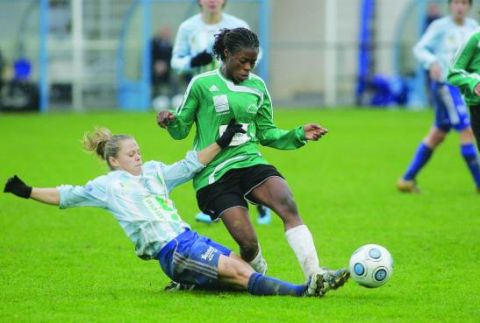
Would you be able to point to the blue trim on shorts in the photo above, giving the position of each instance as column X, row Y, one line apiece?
column 192, row 259
column 450, row 108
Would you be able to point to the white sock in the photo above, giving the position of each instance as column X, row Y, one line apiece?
column 259, row 264
column 300, row 240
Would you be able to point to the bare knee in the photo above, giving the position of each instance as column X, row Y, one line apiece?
column 435, row 137
column 466, row 135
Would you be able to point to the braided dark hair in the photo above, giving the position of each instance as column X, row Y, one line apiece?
column 234, row 40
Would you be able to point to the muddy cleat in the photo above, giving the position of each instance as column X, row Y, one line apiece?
column 174, row 286
column 315, row 286
column 407, row 186
column 334, row 279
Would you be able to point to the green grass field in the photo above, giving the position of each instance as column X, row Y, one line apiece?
column 77, row 265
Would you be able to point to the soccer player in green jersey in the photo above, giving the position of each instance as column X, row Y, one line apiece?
column 193, row 54
column 240, row 173
column 137, row 194
column 465, row 73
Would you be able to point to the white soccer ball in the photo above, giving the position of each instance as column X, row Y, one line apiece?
column 371, row 265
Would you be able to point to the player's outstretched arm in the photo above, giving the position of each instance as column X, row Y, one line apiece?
column 209, row 153
column 17, row 187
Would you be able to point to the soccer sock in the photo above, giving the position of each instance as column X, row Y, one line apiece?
column 259, row 264
column 263, row 285
column 469, row 153
column 421, row 157
column 300, row 240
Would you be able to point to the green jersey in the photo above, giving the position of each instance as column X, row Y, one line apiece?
column 210, row 102
column 465, row 70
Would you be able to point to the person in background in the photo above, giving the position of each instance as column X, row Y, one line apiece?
column 464, row 73
column 193, row 54
column 435, row 50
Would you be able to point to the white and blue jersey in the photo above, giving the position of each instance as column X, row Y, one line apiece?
column 439, row 44
column 143, row 208
column 195, row 36
column 140, row 204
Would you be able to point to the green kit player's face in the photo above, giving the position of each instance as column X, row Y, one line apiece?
column 239, row 64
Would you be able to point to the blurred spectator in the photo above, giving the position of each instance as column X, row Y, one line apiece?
column 2, row 70
column 161, row 51
column 20, row 94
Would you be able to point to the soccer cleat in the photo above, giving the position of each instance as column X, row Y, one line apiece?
column 407, row 186
column 204, row 218
column 334, row 279
column 264, row 215
column 174, row 286
column 315, row 286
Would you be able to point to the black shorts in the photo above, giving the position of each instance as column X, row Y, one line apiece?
column 233, row 189
column 475, row 122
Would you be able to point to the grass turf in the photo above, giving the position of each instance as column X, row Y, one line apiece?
column 77, row 265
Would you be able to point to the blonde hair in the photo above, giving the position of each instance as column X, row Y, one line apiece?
column 103, row 143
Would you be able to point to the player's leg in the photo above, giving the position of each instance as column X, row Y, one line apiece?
column 225, row 200
column 460, row 121
column 469, row 154
column 275, row 193
column 475, row 116
column 436, row 135
column 238, row 224
column 237, row 273
column 264, row 214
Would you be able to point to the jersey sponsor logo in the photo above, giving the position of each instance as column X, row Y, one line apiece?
column 220, row 102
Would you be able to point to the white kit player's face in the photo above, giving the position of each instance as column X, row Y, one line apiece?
column 239, row 65
column 128, row 158
column 212, row 6
column 459, row 9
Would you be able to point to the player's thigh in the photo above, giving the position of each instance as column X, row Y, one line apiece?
column 276, row 194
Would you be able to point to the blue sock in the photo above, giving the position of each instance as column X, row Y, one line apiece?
column 469, row 153
column 421, row 157
column 263, row 285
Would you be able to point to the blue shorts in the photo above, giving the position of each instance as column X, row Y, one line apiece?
column 192, row 259
column 450, row 109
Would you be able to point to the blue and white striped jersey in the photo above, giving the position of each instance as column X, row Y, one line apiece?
column 141, row 204
column 441, row 41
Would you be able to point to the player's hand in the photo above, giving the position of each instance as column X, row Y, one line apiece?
column 17, row 187
column 201, row 59
column 435, row 72
column 314, row 131
column 477, row 90
column 232, row 128
column 164, row 118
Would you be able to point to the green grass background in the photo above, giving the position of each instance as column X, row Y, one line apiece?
column 77, row 264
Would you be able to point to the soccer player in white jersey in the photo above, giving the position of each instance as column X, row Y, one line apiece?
column 241, row 173
column 137, row 194
column 435, row 51
column 193, row 54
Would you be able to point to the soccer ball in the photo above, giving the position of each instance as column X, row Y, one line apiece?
column 371, row 265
